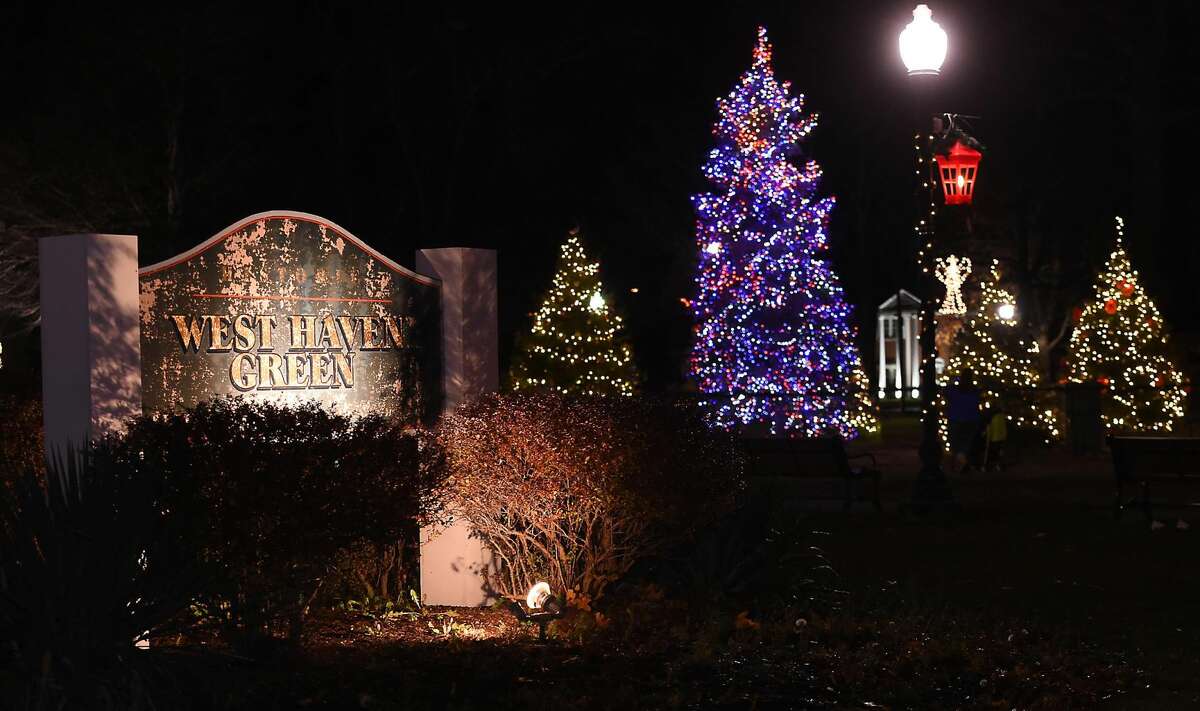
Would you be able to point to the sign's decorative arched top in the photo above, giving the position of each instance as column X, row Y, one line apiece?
column 288, row 306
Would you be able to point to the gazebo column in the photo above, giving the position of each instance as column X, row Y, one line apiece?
column 914, row 350
column 882, row 357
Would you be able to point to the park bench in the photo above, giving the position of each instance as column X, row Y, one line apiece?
column 1139, row 461
column 817, row 458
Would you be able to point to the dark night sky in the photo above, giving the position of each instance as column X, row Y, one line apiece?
column 504, row 127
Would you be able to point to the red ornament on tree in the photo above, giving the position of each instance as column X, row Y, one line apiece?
column 1125, row 288
column 1110, row 307
column 1077, row 314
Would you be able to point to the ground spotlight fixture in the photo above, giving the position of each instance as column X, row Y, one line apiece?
column 543, row 607
column 540, row 598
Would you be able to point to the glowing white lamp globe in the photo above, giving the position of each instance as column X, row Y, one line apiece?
column 713, row 248
column 923, row 43
column 596, row 303
column 1006, row 312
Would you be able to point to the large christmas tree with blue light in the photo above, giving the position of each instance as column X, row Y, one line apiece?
column 774, row 343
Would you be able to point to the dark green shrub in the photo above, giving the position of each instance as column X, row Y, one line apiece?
column 233, row 515
column 286, row 492
column 574, row 490
column 94, row 554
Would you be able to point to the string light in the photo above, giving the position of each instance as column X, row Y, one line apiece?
column 922, row 145
column 1119, row 342
column 576, row 344
column 773, row 343
column 1001, row 362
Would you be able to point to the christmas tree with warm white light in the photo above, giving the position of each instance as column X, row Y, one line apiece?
column 1002, row 362
column 1120, row 343
column 774, row 345
column 577, row 344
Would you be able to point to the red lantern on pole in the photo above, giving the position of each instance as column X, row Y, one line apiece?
column 959, row 168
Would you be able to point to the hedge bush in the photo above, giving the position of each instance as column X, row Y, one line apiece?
column 287, row 492
column 232, row 515
column 94, row 553
column 575, row 490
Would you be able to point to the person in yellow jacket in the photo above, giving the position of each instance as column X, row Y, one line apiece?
column 995, row 437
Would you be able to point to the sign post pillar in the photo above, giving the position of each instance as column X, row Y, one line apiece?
column 91, row 358
column 453, row 563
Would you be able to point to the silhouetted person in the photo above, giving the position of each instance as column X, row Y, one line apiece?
column 962, row 412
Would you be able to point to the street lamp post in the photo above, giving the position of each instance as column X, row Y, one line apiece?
column 923, row 45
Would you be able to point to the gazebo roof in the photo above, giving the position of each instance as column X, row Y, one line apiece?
column 908, row 302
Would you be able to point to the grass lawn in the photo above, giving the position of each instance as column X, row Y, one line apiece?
column 1117, row 592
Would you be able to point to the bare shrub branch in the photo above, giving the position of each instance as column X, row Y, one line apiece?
column 575, row 490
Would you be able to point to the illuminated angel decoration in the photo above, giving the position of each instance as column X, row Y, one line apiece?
column 953, row 272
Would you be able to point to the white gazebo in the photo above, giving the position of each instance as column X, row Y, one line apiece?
column 899, row 347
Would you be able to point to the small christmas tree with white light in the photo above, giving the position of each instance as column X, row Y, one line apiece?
column 1002, row 362
column 577, row 344
column 1120, row 343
